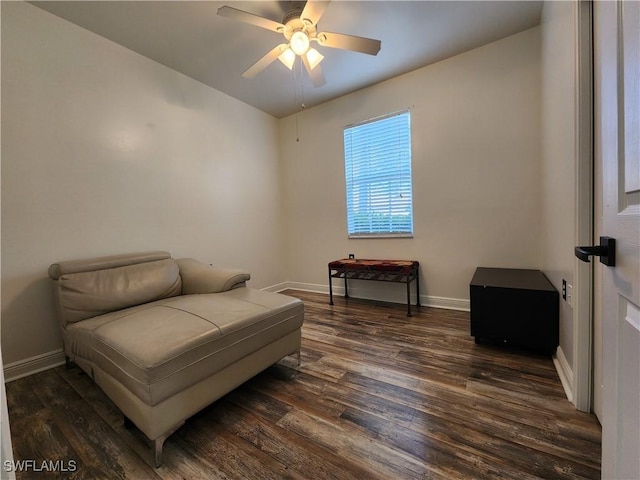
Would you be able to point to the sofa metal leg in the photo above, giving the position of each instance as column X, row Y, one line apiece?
column 159, row 442
column 157, row 445
column 298, row 357
column 68, row 363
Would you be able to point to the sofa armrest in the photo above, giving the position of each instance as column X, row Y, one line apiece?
column 200, row 278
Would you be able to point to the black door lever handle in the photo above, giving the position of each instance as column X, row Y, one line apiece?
column 606, row 251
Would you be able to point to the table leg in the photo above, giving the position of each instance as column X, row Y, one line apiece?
column 330, row 289
column 346, row 292
column 418, row 289
column 408, row 296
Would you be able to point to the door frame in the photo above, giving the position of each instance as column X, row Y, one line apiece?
column 583, row 312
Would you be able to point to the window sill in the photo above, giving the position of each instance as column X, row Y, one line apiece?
column 381, row 235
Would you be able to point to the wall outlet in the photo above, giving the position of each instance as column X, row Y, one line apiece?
column 352, row 256
column 570, row 295
column 564, row 289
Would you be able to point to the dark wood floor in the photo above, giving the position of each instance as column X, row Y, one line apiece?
column 378, row 395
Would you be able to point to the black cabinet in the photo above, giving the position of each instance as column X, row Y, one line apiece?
column 514, row 306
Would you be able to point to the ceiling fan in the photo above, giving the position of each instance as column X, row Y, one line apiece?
column 299, row 27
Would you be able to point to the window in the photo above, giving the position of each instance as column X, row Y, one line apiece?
column 378, row 175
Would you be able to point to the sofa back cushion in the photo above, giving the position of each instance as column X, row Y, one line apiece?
column 87, row 288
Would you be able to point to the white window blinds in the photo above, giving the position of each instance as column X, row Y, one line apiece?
column 378, row 176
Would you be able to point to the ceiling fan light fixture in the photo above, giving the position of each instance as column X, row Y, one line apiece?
column 299, row 28
column 299, row 42
column 314, row 57
column 288, row 58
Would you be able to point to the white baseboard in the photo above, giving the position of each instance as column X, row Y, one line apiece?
column 368, row 294
column 446, row 303
column 564, row 372
column 277, row 288
column 29, row 366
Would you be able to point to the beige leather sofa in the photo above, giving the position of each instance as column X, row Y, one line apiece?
column 164, row 338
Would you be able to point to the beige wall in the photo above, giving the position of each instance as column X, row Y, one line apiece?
column 105, row 151
column 475, row 122
column 559, row 155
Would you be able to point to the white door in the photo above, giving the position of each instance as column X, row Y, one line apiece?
column 617, row 155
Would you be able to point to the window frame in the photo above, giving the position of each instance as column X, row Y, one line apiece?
column 403, row 174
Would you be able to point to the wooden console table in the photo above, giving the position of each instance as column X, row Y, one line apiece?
column 398, row 271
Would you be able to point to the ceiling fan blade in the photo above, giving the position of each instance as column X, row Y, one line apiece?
column 247, row 17
column 315, row 74
column 265, row 61
column 313, row 10
column 349, row 42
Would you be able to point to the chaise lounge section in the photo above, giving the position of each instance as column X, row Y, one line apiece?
column 164, row 338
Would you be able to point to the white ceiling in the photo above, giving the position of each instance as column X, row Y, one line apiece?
column 188, row 36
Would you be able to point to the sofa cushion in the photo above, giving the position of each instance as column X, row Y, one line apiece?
column 85, row 294
column 186, row 338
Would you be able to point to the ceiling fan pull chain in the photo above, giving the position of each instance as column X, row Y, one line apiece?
column 301, row 87
column 295, row 99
